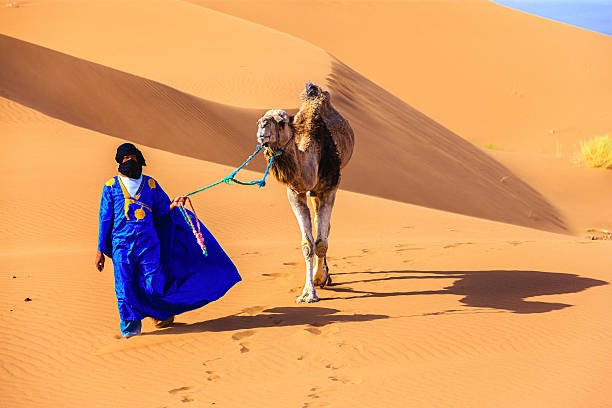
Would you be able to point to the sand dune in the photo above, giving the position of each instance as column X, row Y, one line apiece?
column 488, row 73
column 207, row 53
column 452, row 285
column 401, row 154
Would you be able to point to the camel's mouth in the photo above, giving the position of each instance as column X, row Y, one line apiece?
column 263, row 140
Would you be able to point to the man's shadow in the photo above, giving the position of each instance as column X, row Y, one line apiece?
column 273, row 317
column 504, row 290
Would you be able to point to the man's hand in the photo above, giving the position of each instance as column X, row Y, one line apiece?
column 100, row 261
column 180, row 200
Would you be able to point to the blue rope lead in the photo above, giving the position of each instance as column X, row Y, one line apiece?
column 231, row 178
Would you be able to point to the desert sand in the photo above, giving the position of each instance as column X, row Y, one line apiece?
column 464, row 273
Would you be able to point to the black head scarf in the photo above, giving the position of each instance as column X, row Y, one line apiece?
column 128, row 149
column 131, row 168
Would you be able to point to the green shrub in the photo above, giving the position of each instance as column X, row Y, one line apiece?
column 597, row 152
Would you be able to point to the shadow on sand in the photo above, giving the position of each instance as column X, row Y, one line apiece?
column 501, row 290
column 274, row 317
column 504, row 290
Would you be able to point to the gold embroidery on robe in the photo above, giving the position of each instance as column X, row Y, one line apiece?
column 139, row 213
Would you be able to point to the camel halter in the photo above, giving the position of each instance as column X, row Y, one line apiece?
column 278, row 152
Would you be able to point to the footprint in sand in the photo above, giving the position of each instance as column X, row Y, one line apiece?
column 313, row 330
column 289, row 263
column 211, row 360
column 457, row 244
column 324, row 329
column 175, row 390
column 275, row 275
column 212, row 376
column 350, row 257
column 253, row 310
column 315, row 401
column 345, row 380
column 184, row 398
column 313, row 393
column 243, row 348
column 243, row 334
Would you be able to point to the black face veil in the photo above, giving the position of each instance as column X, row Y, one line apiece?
column 131, row 168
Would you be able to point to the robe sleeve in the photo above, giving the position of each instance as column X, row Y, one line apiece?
column 161, row 203
column 106, row 222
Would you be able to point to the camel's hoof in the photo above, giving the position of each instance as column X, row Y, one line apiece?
column 323, row 279
column 308, row 298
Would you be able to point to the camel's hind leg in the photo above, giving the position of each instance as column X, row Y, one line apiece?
column 302, row 213
column 322, row 205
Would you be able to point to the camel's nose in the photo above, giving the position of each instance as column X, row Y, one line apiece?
column 263, row 131
column 263, row 135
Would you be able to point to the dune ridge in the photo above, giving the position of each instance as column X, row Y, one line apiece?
column 434, row 167
column 490, row 74
column 209, row 54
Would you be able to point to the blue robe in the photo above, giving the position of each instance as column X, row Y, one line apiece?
column 160, row 271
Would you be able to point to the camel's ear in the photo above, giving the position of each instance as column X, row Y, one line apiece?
column 280, row 117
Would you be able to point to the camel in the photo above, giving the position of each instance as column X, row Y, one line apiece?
column 309, row 151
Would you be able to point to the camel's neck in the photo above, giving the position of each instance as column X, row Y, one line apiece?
column 305, row 125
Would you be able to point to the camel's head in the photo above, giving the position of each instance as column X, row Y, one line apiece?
column 271, row 127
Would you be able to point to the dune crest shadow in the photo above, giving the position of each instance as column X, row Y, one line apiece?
column 406, row 156
column 502, row 290
column 400, row 153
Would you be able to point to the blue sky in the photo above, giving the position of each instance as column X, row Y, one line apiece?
column 590, row 14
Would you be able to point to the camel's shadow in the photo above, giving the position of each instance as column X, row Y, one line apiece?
column 505, row 290
column 501, row 290
column 273, row 317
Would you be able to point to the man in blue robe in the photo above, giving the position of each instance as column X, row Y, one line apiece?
column 160, row 270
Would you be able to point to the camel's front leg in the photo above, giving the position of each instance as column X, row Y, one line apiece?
column 300, row 209
column 323, row 205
